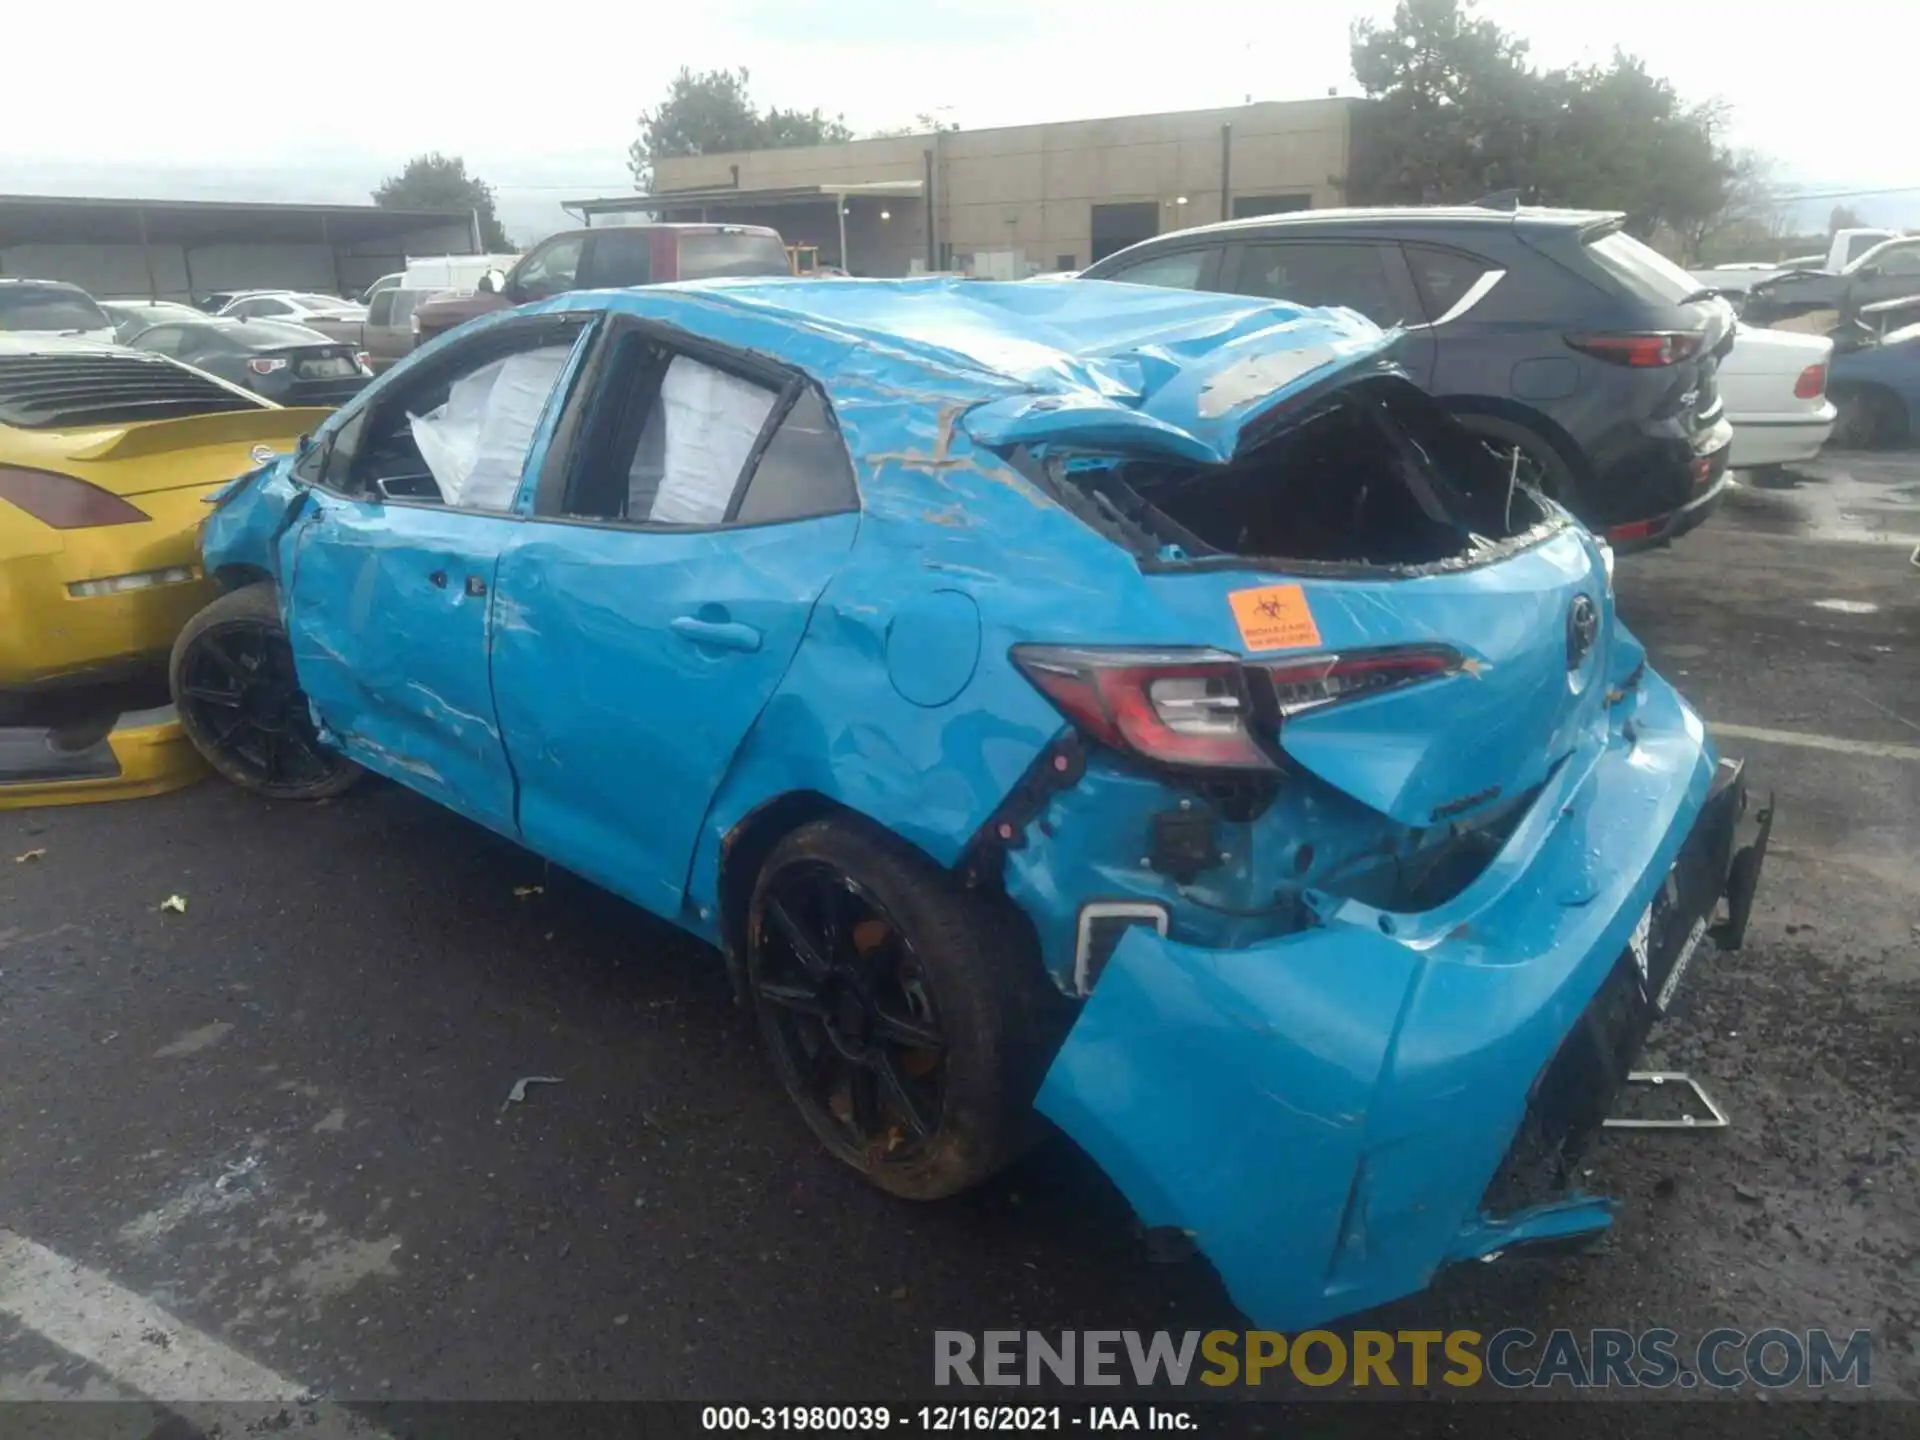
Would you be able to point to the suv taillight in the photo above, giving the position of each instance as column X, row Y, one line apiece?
column 1812, row 383
column 1641, row 350
column 1201, row 707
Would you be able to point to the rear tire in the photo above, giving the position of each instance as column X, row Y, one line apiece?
column 241, row 705
column 1541, row 463
column 909, row 1018
column 1867, row 418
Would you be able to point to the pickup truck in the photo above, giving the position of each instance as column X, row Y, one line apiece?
column 1846, row 247
column 1885, row 275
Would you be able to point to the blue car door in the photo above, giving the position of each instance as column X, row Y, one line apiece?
column 388, row 574
column 651, row 603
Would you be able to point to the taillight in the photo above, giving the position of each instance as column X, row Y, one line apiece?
column 1812, row 383
column 1200, row 707
column 1317, row 680
column 1641, row 350
column 1180, row 707
column 363, row 360
column 64, row 503
column 266, row 364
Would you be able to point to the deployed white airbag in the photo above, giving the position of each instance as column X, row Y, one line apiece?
column 476, row 444
column 695, row 444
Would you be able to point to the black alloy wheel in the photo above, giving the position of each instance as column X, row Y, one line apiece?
column 908, row 1014
column 850, row 1015
column 240, row 702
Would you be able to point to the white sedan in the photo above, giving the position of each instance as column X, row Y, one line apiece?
column 1774, row 385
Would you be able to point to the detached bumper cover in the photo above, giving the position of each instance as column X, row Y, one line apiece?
column 1326, row 1113
column 146, row 753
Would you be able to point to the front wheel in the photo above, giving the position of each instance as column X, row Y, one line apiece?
column 908, row 1017
column 241, row 705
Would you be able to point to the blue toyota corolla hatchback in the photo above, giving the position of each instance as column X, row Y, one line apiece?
column 1138, row 706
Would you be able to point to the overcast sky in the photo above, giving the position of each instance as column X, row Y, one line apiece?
column 316, row 100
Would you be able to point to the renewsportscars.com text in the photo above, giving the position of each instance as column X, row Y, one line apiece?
column 1513, row 1359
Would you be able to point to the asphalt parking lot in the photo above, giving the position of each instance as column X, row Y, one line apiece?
column 282, row 1116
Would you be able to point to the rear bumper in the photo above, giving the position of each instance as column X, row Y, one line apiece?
column 1666, row 528
column 1327, row 1113
column 1780, row 440
column 145, row 754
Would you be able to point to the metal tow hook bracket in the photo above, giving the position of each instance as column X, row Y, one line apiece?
column 1718, row 1121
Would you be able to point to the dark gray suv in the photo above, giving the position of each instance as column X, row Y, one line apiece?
column 1552, row 333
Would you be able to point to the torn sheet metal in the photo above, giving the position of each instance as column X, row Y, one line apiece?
column 1325, row 1111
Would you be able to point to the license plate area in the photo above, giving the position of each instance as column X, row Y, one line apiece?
column 331, row 367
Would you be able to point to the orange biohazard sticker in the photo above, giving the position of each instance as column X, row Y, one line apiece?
column 1274, row 617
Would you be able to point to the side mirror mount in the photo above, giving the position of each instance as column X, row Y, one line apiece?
column 492, row 283
column 1868, row 272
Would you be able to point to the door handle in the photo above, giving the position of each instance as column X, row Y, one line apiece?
column 720, row 634
column 475, row 585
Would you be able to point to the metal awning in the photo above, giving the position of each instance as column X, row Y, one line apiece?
column 721, row 195
column 69, row 220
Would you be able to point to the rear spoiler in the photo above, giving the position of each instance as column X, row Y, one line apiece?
column 224, row 427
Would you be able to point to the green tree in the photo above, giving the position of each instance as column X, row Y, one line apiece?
column 713, row 112
column 923, row 124
column 1459, row 111
column 440, row 182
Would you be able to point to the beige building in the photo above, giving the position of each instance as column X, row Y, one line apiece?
column 1017, row 201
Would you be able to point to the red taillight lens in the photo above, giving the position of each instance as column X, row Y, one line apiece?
column 1307, row 684
column 62, row 502
column 1180, row 707
column 1812, row 383
column 265, row 365
column 1647, row 350
column 1194, row 707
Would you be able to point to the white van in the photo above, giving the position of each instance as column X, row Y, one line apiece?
column 452, row 272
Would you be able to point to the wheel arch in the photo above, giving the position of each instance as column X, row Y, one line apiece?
column 1894, row 405
column 744, row 848
column 238, row 576
column 1496, row 407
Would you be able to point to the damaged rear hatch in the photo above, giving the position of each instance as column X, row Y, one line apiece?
column 1402, row 659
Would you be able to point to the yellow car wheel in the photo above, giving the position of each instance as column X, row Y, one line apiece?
column 240, row 702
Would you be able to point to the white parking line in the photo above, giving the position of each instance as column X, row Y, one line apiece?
column 1877, row 749
column 142, row 1348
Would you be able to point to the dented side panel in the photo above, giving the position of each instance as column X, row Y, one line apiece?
column 628, row 664
column 386, row 609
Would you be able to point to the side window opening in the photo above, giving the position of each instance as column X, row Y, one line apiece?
column 695, row 443
column 460, row 438
column 1442, row 276
column 1186, row 270
column 1351, row 274
column 803, row 472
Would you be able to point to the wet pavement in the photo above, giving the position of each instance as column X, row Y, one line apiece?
column 283, row 1114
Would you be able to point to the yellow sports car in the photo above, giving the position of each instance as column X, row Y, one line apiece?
column 105, row 457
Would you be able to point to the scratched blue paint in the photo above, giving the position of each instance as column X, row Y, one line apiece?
column 1317, row 1088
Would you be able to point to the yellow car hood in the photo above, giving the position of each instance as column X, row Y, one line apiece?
column 144, row 456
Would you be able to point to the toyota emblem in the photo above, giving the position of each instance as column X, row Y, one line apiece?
column 1583, row 628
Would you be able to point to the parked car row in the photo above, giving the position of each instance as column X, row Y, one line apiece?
column 1584, row 355
column 1062, row 696
column 1055, row 698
